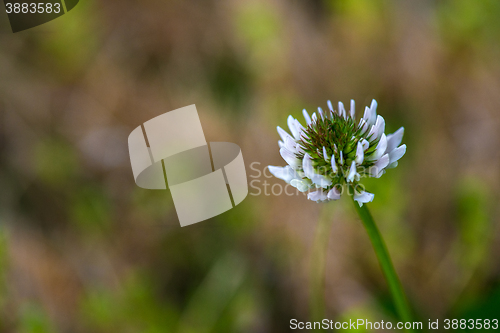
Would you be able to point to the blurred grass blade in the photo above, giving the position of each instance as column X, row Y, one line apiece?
column 213, row 295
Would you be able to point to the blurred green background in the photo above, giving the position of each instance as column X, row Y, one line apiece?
column 83, row 249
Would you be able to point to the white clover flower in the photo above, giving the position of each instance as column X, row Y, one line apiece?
column 332, row 152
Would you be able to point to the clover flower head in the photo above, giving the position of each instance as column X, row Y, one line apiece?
column 333, row 152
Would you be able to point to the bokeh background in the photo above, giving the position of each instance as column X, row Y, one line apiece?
column 83, row 249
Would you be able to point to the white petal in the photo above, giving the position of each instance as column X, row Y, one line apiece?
column 330, row 106
column 379, row 166
column 370, row 135
column 363, row 197
column 373, row 108
column 325, row 155
column 314, row 117
column 307, row 166
column 342, row 112
column 320, row 111
column 306, row 117
column 299, row 127
column 301, row 184
column 365, row 144
column 278, row 172
column 283, row 134
column 317, row 179
column 363, row 126
column 285, row 173
column 360, row 155
column 378, row 128
column 368, row 116
column 397, row 153
column 289, row 157
column 321, row 181
column 293, row 129
column 317, row 196
column 280, row 143
column 341, row 159
column 333, row 194
column 352, row 173
column 353, row 110
column 334, row 165
column 392, row 165
column 380, row 150
column 381, row 127
column 394, row 139
column 290, row 144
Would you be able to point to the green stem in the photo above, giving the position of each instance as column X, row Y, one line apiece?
column 318, row 263
column 385, row 262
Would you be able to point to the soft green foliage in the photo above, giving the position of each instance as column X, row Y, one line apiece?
column 473, row 199
column 55, row 162
column 35, row 320
column 91, row 209
column 3, row 268
column 135, row 307
column 70, row 46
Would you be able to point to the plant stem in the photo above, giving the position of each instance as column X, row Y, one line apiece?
column 318, row 263
column 385, row 262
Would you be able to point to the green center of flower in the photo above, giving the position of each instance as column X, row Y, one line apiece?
column 340, row 137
